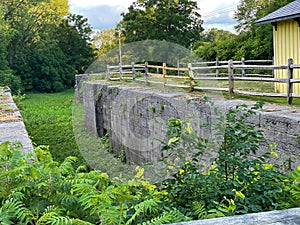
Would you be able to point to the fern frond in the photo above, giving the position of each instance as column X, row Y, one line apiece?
column 81, row 222
column 59, row 220
column 199, row 210
column 67, row 167
column 173, row 216
column 14, row 210
column 67, row 199
column 149, row 205
column 53, row 215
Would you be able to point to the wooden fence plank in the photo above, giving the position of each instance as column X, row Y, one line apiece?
column 260, row 94
column 230, row 78
column 124, row 70
column 259, row 67
column 177, row 77
column 156, row 75
column 210, row 67
column 279, row 80
column 210, row 78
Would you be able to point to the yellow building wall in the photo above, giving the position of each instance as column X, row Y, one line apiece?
column 286, row 45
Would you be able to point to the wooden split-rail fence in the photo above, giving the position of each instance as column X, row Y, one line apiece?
column 202, row 71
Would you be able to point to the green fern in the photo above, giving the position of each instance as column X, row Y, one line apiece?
column 295, row 191
column 67, row 167
column 172, row 216
column 12, row 211
column 53, row 215
column 199, row 210
column 149, row 205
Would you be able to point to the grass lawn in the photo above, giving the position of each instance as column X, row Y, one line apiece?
column 48, row 119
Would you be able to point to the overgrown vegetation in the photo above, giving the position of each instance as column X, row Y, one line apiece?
column 42, row 45
column 37, row 189
column 238, row 181
column 48, row 120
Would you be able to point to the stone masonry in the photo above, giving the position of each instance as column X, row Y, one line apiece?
column 135, row 118
column 12, row 127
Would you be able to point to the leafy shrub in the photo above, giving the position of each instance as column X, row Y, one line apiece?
column 236, row 182
column 18, row 98
column 7, row 78
column 37, row 190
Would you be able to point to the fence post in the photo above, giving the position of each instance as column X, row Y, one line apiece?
column 178, row 66
column 108, row 72
column 289, row 83
column 164, row 74
column 146, row 71
column 243, row 70
column 217, row 70
column 230, row 78
column 120, row 70
column 133, row 71
column 191, row 75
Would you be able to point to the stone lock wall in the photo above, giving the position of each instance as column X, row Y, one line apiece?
column 12, row 127
column 135, row 118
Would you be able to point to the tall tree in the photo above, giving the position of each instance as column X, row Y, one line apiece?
column 216, row 43
column 257, row 40
column 6, row 76
column 74, row 39
column 47, row 46
column 176, row 21
column 106, row 40
column 248, row 11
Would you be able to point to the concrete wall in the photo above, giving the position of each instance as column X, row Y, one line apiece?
column 12, row 127
column 282, row 217
column 135, row 118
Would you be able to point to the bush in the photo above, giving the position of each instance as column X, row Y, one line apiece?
column 234, row 183
column 13, row 82
column 37, row 190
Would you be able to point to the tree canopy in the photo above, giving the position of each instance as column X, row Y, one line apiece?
column 176, row 21
column 43, row 45
column 251, row 42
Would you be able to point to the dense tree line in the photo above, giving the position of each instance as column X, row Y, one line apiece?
column 250, row 42
column 170, row 20
column 179, row 22
column 42, row 45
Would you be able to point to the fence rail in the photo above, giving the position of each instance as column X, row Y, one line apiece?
column 191, row 74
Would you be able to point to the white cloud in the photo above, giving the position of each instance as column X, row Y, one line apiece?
column 103, row 14
column 91, row 3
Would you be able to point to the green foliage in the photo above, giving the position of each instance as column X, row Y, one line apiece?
column 238, row 181
column 248, row 11
column 18, row 99
column 251, row 42
column 42, row 45
column 74, row 36
column 37, row 190
column 169, row 20
column 7, row 78
column 48, row 119
column 293, row 199
column 296, row 184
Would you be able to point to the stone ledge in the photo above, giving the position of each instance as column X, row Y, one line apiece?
column 280, row 217
column 12, row 127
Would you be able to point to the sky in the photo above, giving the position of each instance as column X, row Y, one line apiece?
column 105, row 14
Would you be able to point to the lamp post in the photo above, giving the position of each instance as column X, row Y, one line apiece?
column 120, row 50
